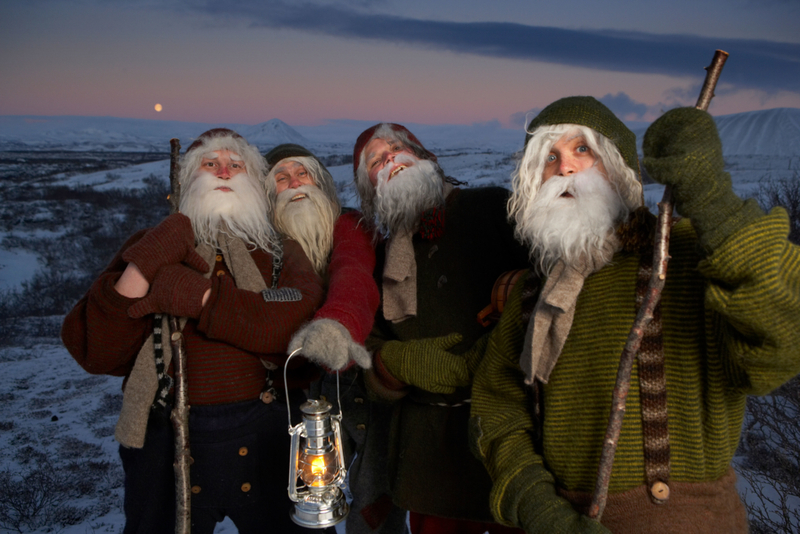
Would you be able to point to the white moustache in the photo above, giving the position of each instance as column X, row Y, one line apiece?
column 581, row 184
column 570, row 216
column 401, row 163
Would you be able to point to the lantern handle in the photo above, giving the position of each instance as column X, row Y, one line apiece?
column 286, row 388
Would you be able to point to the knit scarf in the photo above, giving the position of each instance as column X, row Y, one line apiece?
column 552, row 316
column 142, row 384
column 400, row 268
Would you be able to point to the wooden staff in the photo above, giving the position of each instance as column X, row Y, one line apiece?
column 645, row 315
column 180, row 411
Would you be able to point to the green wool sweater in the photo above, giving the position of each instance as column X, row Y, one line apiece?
column 731, row 327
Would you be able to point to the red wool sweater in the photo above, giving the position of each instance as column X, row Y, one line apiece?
column 353, row 296
column 236, row 329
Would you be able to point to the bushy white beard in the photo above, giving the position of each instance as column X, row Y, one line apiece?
column 399, row 202
column 243, row 209
column 569, row 228
column 309, row 222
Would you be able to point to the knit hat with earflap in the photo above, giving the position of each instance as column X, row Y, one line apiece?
column 396, row 131
column 383, row 130
column 587, row 111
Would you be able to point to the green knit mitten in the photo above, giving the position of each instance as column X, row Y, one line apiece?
column 426, row 364
column 474, row 356
column 532, row 498
column 682, row 149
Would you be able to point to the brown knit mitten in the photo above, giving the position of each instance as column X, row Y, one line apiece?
column 172, row 241
column 176, row 290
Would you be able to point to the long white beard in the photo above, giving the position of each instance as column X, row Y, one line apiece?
column 399, row 202
column 243, row 209
column 309, row 222
column 569, row 228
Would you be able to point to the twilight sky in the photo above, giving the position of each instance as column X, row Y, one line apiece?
column 422, row 61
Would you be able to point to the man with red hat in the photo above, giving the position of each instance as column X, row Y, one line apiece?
column 440, row 250
column 241, row 292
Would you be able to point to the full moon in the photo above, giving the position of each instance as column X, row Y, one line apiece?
column 158, row 108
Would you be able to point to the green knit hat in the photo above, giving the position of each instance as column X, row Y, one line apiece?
column 587, row 111
column 287, row 150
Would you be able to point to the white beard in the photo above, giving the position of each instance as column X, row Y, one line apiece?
column 309, row 222
column 243, row 209
column 399, row 202
column 569, row 228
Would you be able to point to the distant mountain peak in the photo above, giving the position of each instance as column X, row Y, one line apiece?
column 271, row 133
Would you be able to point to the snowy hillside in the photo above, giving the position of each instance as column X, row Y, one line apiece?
column 774, row 132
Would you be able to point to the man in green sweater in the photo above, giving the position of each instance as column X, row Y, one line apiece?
column 728, row 325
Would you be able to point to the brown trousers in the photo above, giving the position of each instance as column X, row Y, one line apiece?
column 692, row 508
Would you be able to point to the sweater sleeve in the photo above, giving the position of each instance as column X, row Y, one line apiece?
column 245, row 320
column 502, row 436
column 352, row 298
column 97, row 332
column 753, row 292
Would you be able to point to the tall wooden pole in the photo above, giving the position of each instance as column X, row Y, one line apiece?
column 180, row 411
column 645, row 315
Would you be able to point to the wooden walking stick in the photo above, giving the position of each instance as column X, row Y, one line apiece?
column 180, row 411
column 645, row 315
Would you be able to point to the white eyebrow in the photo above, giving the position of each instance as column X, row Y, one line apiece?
column 211, row 155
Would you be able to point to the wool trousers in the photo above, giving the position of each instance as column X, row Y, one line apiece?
column 240, row 470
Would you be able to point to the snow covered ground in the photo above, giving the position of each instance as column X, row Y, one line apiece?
column 56, row 421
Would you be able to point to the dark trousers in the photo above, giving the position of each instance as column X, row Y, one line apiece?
column 240, row 470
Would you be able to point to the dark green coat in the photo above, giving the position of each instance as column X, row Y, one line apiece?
column 430, row 466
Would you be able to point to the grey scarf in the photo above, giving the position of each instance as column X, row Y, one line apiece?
column 400, row 275
column 552, row 316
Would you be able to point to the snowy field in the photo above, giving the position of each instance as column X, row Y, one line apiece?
column 58, row 460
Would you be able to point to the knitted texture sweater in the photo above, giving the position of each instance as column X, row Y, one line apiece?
column 225, row 345
column 430, row 464
column 731, row 327
column 352, row 298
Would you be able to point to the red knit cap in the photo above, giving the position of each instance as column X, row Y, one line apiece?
column 403, row 135
column 214, row 132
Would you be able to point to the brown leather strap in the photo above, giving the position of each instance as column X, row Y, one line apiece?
column 500, row 293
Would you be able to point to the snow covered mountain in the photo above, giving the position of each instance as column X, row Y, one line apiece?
column 110, row 134
column 271, row 133
column 773, row 132
column 767, row 133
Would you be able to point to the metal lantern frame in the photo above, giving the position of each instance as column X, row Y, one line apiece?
column 318, row 435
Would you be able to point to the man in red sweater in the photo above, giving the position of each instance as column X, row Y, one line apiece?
column 340, row 247
column 241, row 292
column 307, row 209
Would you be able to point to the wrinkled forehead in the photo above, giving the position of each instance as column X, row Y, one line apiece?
column 377, row 145
column 289, row 165
column 215, row 155
column 574, row 133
